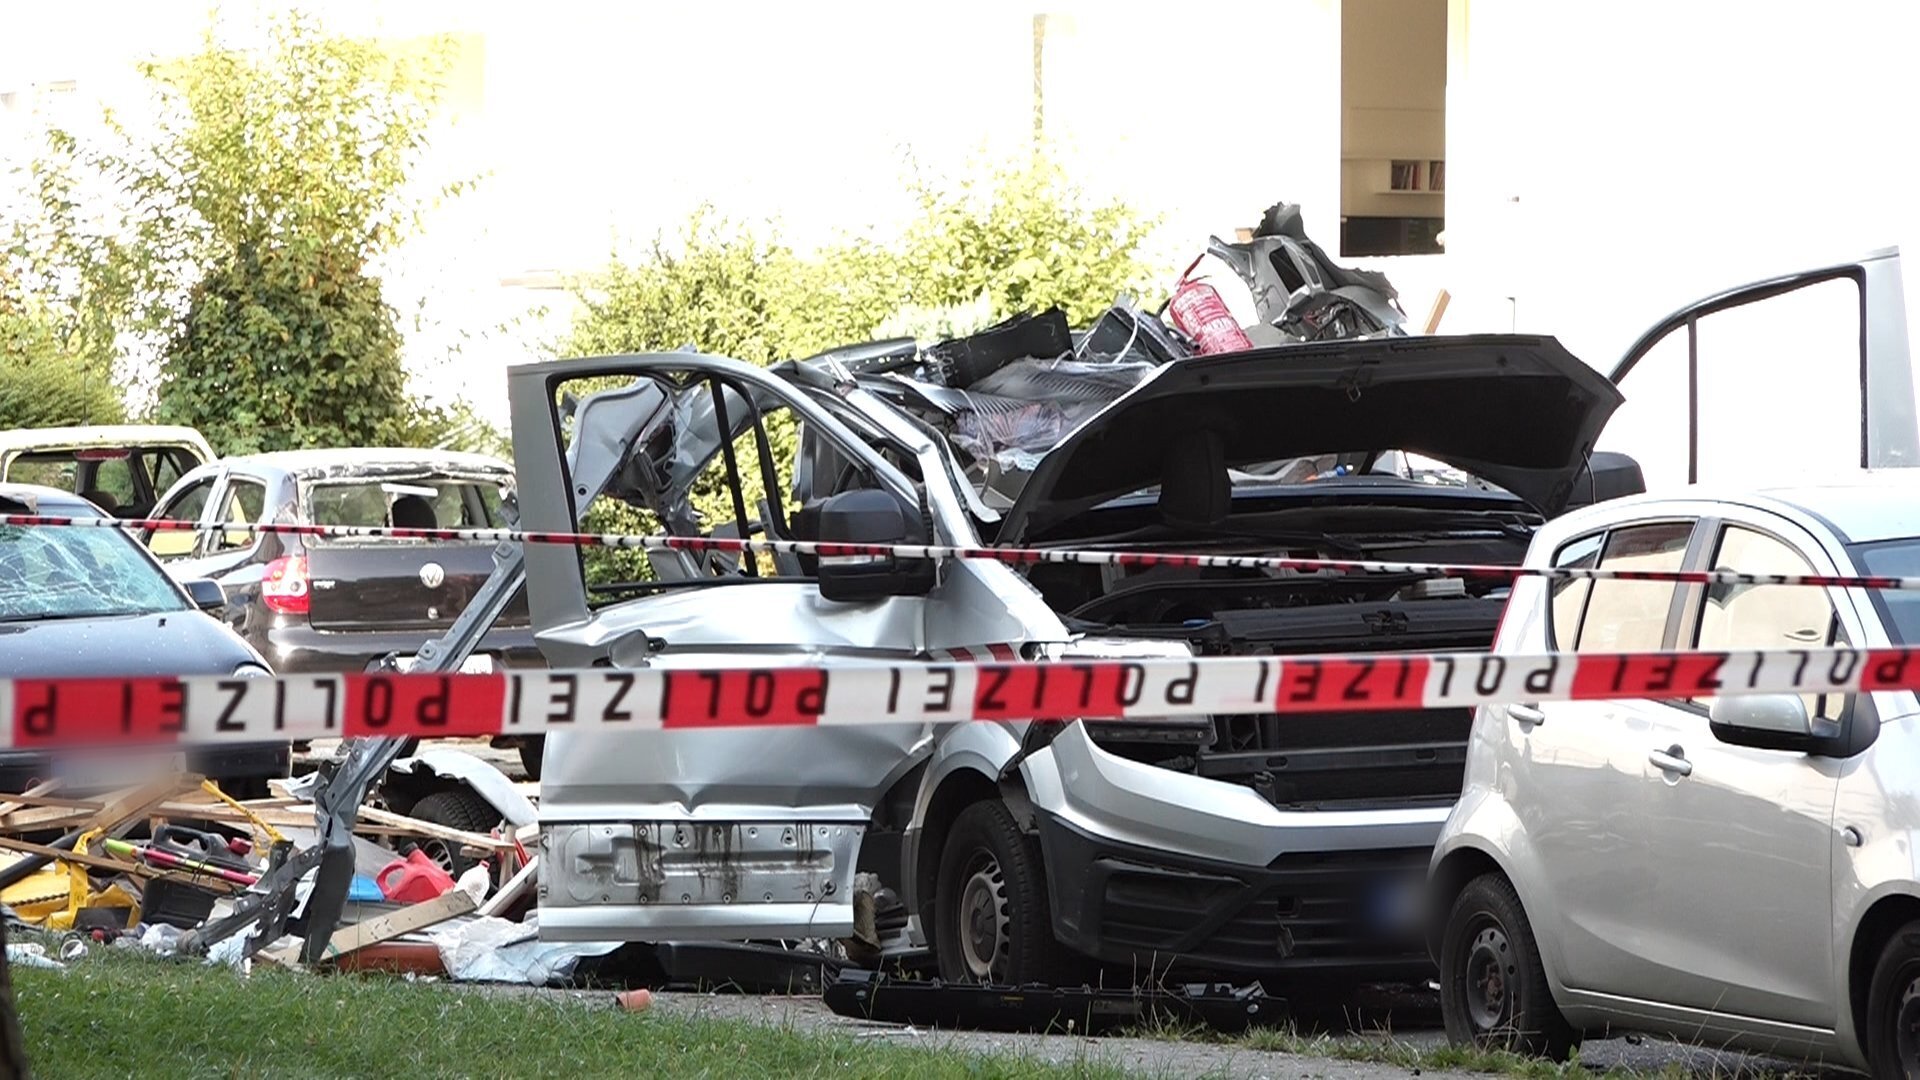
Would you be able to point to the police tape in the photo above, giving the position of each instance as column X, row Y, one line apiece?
column 1012, row 555
column 46, row 713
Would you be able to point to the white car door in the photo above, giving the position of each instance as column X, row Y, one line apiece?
column 1738, row 910
column 1588, row 884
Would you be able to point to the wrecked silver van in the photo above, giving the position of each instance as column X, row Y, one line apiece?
column 1019, row 852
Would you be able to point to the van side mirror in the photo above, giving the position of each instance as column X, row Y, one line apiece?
column 1769, row 722
column 871, row 516
column 206, row 594
column 1607, row 475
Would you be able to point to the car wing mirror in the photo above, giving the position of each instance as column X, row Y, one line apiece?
column 1768, row 722
column 871, row 516
column 206, row 594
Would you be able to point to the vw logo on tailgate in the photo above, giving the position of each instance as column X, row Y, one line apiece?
column 431, row 575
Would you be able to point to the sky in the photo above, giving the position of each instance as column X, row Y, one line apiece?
column 1608, row 160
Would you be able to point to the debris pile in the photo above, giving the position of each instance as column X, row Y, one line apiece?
column 159, row 864
column 1005, row 396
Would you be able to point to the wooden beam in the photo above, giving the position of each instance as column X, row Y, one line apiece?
column 135, row 803
column 448, row 905
column 1438, row 311
column 40, row 790
column 102, row 862
column 427, row 828
column 516, row 887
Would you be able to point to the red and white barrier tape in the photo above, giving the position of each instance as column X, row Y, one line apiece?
column 68, row 712
column 1012, row 555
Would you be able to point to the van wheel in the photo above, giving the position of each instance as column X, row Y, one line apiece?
column 1893, row 1008
column 456, row 808
column 992, row 921
column 1493, row 989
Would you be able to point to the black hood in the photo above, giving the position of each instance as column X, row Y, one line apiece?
column 1515, row 410
column 122, row 646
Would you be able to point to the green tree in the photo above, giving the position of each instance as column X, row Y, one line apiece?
column 41, row 385
column 1016, row 238
column 253, row 201
column 1027, row 238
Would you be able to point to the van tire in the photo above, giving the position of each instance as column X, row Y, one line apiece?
column 992, row 920
column 1893, row 1004
column 1494, row 993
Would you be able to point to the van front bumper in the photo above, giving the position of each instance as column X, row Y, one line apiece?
column 1150, row 866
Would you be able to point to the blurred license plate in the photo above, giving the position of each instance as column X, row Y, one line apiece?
column 477, row 664
column 110, row 770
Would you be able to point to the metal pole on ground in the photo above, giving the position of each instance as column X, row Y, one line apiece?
column 13, row 1047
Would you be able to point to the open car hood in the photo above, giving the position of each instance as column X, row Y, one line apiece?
column 1515, row 410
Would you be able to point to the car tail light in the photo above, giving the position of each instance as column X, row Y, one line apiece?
column 285, row 588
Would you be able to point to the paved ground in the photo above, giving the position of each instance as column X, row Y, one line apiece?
column 1174, row 1058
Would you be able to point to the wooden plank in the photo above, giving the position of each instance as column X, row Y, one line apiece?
column 42, row 790
column 516, row 886
column 301, row 819
column 41, row 811
column 102, row 862
column 1438, row 312
column 426, row 828
column 448, row 905
column 135, row 803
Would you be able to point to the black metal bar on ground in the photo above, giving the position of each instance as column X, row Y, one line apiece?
column 13, row 1045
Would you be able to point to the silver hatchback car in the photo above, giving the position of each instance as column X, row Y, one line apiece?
column 1740, row 870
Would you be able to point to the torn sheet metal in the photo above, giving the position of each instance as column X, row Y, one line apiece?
column 486, row 781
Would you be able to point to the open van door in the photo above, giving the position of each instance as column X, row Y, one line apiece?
column 1793, row 379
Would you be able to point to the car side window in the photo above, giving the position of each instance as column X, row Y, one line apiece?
column 1567, row 597
column 246, row 501
column 1766, row 616
column 1631, row 616
column 186, row 506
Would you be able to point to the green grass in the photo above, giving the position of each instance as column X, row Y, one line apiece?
column 118, row 1014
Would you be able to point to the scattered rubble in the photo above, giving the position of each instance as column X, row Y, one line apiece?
column 152, row 866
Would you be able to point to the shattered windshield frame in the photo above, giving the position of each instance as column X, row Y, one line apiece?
column 48, row 573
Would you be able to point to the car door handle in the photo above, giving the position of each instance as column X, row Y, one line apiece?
column 1670, row 761
column 1526, row 714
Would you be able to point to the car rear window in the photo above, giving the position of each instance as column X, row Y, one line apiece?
column 60, row 573
column 421, row 503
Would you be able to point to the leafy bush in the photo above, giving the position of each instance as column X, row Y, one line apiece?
column 1028, row 239
column 278, row 351
column 1019, row 238
column 41, row 385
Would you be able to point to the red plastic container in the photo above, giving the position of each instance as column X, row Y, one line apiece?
column 412, row 879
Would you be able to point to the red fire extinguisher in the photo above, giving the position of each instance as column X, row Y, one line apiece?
column 1201, row 315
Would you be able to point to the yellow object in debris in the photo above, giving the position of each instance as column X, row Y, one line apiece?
column 111, row 897
column 40, row 894
column 54, row 896
column 273, row 835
